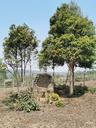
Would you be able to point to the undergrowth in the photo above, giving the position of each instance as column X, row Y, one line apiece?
column 55, row 98
column 22, row 101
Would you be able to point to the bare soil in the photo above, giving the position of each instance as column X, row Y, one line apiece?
column 77, row 113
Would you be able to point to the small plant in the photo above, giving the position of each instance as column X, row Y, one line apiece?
column 55, row 98
column 11, row 101
column 59, row 103
column 23, row 101
column 78, row 78
column 92, row 90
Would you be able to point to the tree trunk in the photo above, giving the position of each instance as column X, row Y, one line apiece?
column 21, row 67
column 84, row 77
column 21, row 70
column 16, row 76
column 17, row 79
column 71, row 68
column 24, row 73
column 53, row 75
column 24, row 69
column 53, row 67
column 17, row 73
column 24, row 65
column 30, row 71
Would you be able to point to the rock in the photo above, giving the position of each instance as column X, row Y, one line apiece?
column 43, row 84
column 50, row 87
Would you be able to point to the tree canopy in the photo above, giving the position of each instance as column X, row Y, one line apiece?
column 18, row 47
column 71, row 39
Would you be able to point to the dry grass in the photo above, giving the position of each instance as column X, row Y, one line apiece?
column 76, row 113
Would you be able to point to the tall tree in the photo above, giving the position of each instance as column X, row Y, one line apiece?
column 18, row 47
column 73, row 35
column 75, row 54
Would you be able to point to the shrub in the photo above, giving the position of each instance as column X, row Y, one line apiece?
column 23, row 101
column 55, row 98
column 78, row 78
column 59, row 103
column 92, row 90
column 80, row 90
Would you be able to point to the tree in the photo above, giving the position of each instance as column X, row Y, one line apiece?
column 51, row 54
column 3, row 66
column 75, row 54
column 73, row 35
column 3, row 69
column 86, row 63
column 18, row 48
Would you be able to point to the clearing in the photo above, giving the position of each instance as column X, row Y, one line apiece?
column 77, row 113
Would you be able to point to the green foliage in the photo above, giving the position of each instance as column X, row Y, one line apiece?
column 3, row 75
column 59, row 103
column 69, row 19
column 11, row 101
column 80, row 90
column 43, row 61
column 3, row 66
column 78, row 78
column 51, row 54
column 71, row 36
column 92, row 90
column 18, row 47
column 74, row 35
column 23, row 101
column 55, row 98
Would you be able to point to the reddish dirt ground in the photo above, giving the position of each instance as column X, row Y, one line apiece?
column 76, row 113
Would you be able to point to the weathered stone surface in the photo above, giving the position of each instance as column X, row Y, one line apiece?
column 43, row 83
column 44, row 80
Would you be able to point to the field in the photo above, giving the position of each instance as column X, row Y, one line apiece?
column 77, row 113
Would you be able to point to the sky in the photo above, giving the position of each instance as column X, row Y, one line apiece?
column 36, row 14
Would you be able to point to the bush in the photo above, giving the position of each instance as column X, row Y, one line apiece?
column 78, row 78
column 92, row 90
column 11, row 101
column 23, row 101
column 80, row 90
column 59, row 103
column 55, row 98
